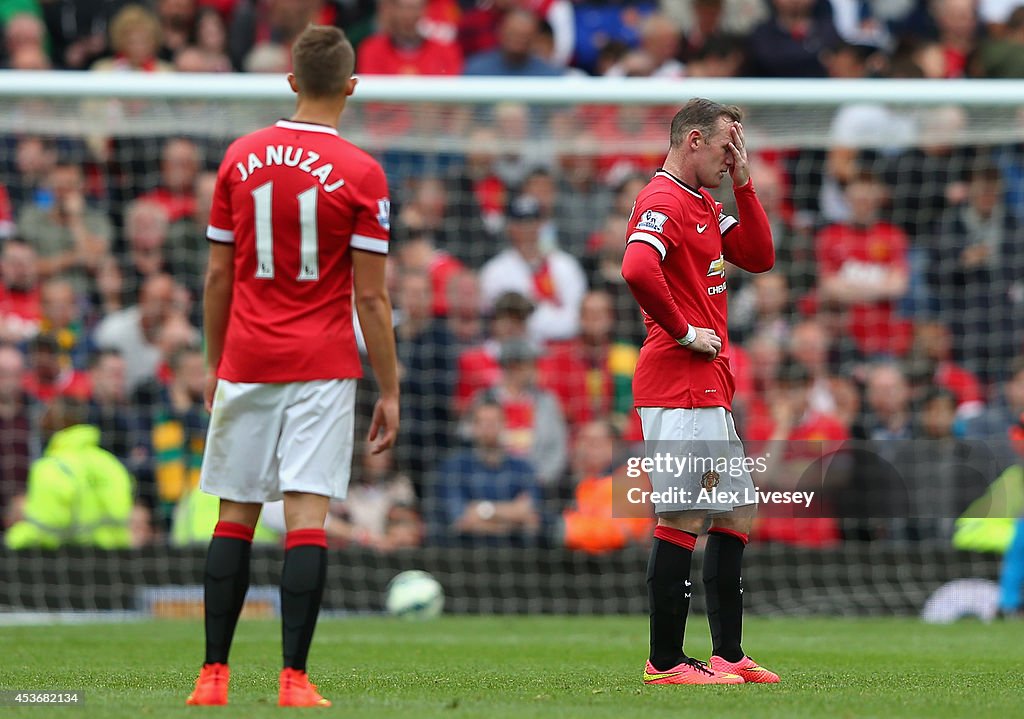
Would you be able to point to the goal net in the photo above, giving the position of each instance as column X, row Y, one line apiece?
column 879, row 362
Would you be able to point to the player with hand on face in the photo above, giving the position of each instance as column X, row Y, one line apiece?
column 298, row 228
column 678, row 241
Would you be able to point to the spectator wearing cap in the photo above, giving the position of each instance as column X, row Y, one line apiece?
column 535, row 427
column 552, row 279
column 477, row 368
column 485, row 494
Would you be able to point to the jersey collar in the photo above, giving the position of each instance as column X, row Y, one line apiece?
column 665, row 173
column 306, row 127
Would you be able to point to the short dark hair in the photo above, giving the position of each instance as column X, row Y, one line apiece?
column 322, row 60
column 700, row 114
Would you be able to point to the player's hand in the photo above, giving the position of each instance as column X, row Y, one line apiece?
column 384, row 425
column 740, row 169
column 707, row 343
column 210, row 390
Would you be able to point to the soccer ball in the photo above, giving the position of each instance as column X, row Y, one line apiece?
column 414, row 595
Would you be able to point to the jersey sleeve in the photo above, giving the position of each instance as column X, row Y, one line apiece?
column 654, row 222
column 221, row 226
column 725, row 222
column 371, row 231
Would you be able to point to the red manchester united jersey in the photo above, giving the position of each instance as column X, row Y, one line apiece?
column 686, row 227
column 295, row 199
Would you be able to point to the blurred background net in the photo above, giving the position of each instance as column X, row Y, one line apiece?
column 895, row 312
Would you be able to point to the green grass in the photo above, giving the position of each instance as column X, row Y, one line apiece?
column 561, row 667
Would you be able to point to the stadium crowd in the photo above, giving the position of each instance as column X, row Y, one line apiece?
column 895, row 311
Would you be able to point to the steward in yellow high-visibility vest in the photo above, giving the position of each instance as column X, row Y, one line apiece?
column 78, row 494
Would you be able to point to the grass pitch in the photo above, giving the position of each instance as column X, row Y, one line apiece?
column 563, row 667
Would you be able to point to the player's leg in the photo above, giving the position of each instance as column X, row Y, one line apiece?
column 303, row 575
column 225, row 582
column 723, row 570
column 723, row 560
column 316, row 457
column 668, row 570
column 239, row 457
column 669, row 586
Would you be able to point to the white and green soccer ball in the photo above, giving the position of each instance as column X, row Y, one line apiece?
column 414, row 595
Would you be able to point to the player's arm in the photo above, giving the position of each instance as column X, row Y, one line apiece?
column 747, row 244
column 641, row 269
column 220, row 278
column 373, row 306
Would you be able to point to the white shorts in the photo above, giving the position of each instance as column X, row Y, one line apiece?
column 267, row 439
column 704, row 467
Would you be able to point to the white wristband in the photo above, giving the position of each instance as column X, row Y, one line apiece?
column 691, row 335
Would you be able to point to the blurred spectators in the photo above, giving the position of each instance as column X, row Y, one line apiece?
column 658, row 52
column 179, row 170
column 379, row 510
column 20, row 309
column 135, row 330
column 515, row 55
column 465, row 306
column 589, row 523
column 957, row 24
column 581, row 198
column 592, row 375
column 177, row 425
column 477, row 367
column 932, row 360
column 1003, row 57
column 534, row 425
column 135, row 39
column 23, row 33
column 278, row 21
column 34, row 160
column 17, row 440
column 78, row 494
column 70, row 238
column 977, row 262
column 123, row 426
column 145, row 238
column 177, row 19
column 400, row 47
column 484, row 495
column 426, row 358
column 50, row 373
column 61, row 317
column 480, row 25
column 862, row 268
column 552, row 279
column 790, row 43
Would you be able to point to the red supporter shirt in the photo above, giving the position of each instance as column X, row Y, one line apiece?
column 378, row 55
column 295, row 199
column 177, row 207
column 686, row 227
column 865, row 253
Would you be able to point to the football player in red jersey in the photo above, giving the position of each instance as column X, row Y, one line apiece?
column 678, row 241
column 299, row 226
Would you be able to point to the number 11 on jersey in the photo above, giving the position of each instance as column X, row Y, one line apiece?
column 309, row 266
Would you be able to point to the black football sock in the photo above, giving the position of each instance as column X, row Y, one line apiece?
column 225, row 582
column 302, row 587
column 723, row 588
column 668, row 589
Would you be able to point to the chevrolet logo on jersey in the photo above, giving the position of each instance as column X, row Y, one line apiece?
column 717, row 267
